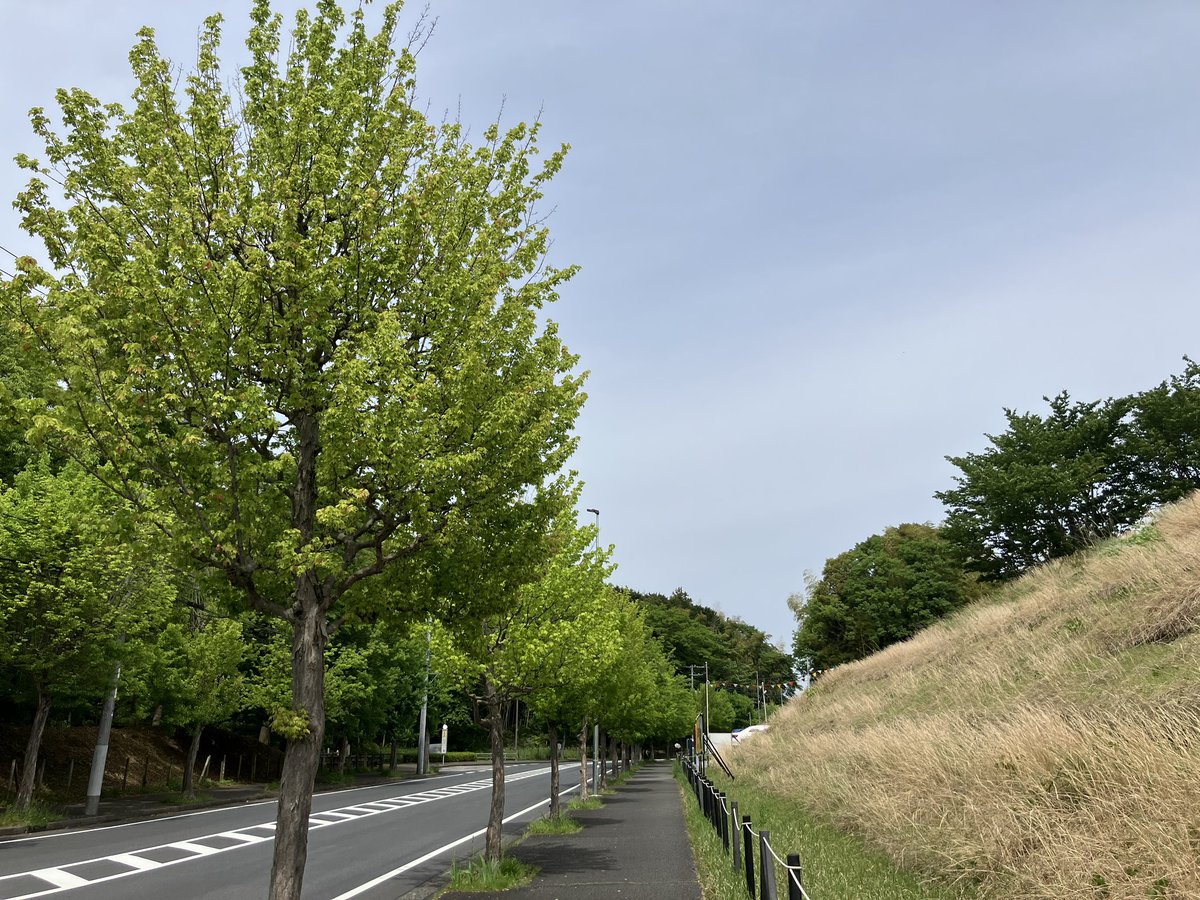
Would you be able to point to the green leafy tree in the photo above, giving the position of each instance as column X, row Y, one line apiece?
column 1047, row 487
column 721, row 710
column 299, row 323
column 372, row 670
column 643, row 697
column 206, row 682
column 743, row 709
column 527, row 645
column 881, row 591
column 1164, row 438
column 79, row 587
column 693, row 635
column 23, row 375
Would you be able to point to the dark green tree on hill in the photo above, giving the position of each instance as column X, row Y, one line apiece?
column 1051, row 485
column 693, row 634
column 1047, row 487
column 881, row 591
column 1164, row 437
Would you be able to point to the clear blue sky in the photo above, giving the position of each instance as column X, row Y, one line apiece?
column 824, row 243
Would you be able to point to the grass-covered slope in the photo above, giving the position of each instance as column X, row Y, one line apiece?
column 1043, row 744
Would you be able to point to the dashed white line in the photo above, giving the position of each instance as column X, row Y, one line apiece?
column 135, row 862
column 61, row 879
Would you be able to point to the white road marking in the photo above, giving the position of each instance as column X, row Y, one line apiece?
column 191, row 847
column 135, row 862
column 59, row 878
column 62, row 879
column 374, row 882
column 242, row 836
column 72, row 832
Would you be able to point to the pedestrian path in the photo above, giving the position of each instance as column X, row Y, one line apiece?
column 635, row 847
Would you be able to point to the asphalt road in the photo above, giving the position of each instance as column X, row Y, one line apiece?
column 375, row 842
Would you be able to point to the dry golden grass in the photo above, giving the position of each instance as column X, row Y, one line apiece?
column 1044, row 743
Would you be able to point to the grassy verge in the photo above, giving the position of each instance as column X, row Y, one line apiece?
column 181, row 799
column 717, row 878
column 482, row 875
column 37, row 814
column 561, row 825
column 592, row 802
column 836, row 866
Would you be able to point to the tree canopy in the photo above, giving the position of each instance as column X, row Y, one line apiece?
column 881, row 591
column 693, row 635
column 1051, row 485
column 294, row 323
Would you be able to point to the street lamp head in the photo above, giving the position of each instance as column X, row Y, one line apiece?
column 596, row 511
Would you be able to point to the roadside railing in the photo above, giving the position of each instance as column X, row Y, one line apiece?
column 739, row 840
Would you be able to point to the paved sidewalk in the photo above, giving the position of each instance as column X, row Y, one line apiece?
column 635, row 847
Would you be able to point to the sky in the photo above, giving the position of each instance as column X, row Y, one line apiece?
column 824, row 243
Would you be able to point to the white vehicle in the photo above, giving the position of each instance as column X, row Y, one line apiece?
column 742, row 733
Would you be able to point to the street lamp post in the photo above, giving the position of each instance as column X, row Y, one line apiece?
column 595, row 725
column 692, row 672
column 596, row 542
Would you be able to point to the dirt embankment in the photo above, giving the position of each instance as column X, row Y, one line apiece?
column 137, row 756
column 1043, row 744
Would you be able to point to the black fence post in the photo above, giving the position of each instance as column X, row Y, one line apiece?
column 723, row 812
column 766, row 867
column 748, row 846
column 795, row 886
column 736, row 835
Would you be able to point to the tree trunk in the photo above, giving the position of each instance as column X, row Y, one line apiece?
column 189, row 784
column 343, row 755
column 496, row 711
column 602, row 762
column 583, row 760
column 612, row 755
column 555, row 806
column 303, row 755
column 32, row 746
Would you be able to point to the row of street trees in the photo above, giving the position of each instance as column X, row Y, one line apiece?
column 1046, row 487
column 291, row 338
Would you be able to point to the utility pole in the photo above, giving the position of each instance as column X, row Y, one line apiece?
column 100, row 753
column 422, row 738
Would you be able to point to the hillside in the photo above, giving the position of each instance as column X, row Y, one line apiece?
column 1043, row 743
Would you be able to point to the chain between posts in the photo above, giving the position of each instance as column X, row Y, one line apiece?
column 738, row 838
